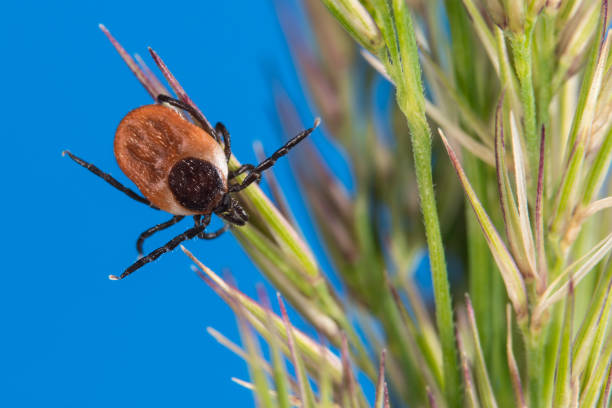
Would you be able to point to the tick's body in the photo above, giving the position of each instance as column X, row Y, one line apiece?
column 182, row 169
column 161, row 153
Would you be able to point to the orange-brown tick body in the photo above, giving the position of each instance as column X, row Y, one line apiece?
column 182, row 169
column 155, row 147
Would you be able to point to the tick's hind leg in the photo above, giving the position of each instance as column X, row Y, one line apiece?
column 173, row 243
column 109, row 179
column 153, row 230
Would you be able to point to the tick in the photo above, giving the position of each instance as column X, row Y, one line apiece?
column 182, row 169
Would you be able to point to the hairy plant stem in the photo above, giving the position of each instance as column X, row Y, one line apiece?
column 401, row 61
column 421, row 146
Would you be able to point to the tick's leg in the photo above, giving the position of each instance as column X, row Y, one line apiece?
column 213, row 235
column 232, row 218
column 192, row 111
column 233, row 212
column 205, row 220
column 227, row 147
column 189, row 234
column 255, row 173
column 109, row 179
column 154, row 229
column 242, row 169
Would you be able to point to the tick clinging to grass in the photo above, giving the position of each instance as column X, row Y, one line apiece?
column 182, row 169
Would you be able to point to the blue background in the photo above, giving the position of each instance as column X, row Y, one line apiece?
column 69, row 336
